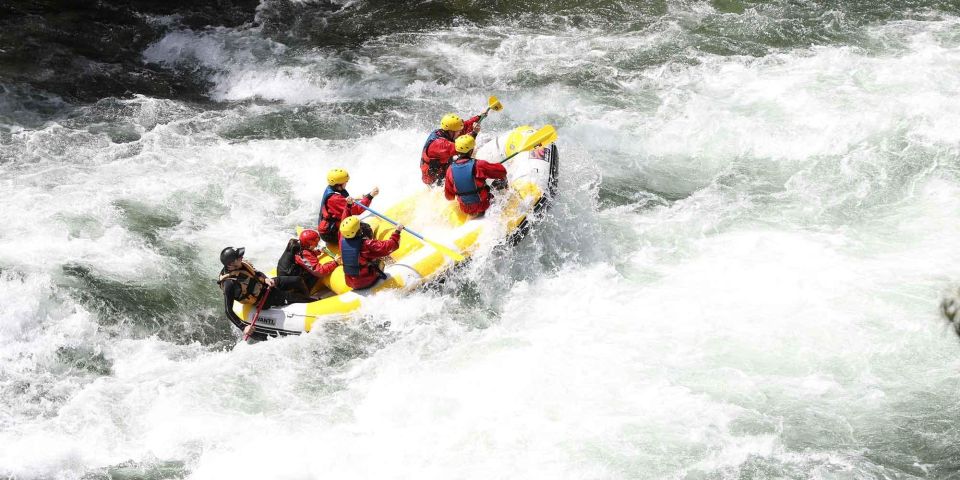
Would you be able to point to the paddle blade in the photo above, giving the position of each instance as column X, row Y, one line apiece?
column 446, row 251
column 440, row 248
column 494, row 104
column 544, row 136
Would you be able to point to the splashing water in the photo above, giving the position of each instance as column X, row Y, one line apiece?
column 739, row 278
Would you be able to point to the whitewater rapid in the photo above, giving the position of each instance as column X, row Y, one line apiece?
column 739, row 278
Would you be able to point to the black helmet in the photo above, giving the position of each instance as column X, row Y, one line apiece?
column 230, row 254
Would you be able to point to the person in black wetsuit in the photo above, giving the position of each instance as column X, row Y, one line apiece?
column 240, row 282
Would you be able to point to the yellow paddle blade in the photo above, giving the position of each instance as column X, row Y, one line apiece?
column 446, row 251
column 494, row 104
column 440, row 248
column 299, row 230
column 544, row 136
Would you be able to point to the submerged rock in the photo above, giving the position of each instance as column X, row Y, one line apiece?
column 86, row 50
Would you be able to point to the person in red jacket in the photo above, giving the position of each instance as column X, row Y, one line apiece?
column 335, row 201
column 439, row 147
column 360, row 252
column 307, row 259
column 299, row 260
column 467, row 178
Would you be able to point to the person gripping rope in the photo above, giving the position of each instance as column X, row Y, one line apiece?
column 467, row 178
column 240, row 282
column 334, row 204
column 439, row 148
column 361, row 253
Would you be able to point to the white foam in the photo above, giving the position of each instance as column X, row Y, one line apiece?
column 695, row 338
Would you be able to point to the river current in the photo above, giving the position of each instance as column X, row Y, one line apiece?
column 739, row 277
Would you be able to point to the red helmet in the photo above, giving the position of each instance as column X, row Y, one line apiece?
column 309, row 238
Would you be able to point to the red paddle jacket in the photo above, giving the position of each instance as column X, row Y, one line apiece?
column 372, row 250
column 336, row 204
column 437, row 153
column 483, row 171
column 311, row 264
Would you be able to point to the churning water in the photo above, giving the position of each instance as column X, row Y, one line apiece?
column 739, row 278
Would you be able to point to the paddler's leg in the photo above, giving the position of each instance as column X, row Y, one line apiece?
column 278, row 294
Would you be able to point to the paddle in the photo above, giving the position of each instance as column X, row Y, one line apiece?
column 544, row 136
column 246, row 335
column 493, row 103
column 440, row 248
column 329, row 253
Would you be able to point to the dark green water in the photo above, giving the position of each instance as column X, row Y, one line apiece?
column 739, row 279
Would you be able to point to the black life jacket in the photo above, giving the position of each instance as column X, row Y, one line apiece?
column 465, row 181
column 287, row 265
column 251, row 286
column 333, row 221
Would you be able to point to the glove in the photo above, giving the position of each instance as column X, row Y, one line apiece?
column 499, row 184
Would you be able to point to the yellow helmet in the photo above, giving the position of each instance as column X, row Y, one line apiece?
column 451, row 122
column 350, row 226
column 337, row 176
column 465, row 143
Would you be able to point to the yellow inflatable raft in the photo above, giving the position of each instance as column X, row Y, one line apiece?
column 531, row 176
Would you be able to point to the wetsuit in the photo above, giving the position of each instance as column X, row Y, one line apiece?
column 252, row 292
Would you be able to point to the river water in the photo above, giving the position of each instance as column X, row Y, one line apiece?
column 739, row 278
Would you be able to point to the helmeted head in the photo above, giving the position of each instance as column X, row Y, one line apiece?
column 465, row 143
column 309, row 239
column 350, row 226
column 337, row 176
column 229, row 255
column 451, row 123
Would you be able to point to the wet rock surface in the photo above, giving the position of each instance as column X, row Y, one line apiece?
column 86, row 50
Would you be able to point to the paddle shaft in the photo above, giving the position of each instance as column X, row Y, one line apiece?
column 511, row 156
column 329, row 253
column 484, row 114
column 257, row 315
column 411, row 232
column 440, row 248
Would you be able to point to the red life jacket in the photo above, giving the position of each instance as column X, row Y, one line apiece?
column 432, row 162
column 333, row 220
